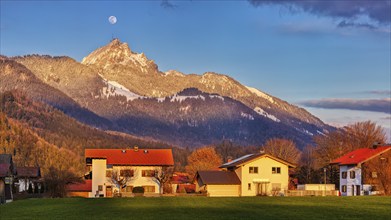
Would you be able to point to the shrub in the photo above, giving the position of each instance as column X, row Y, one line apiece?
column 138, row 189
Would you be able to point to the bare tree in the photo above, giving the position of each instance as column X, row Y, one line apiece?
column 282, row 148
column 162, row 176
column 120, row 178
column 378, row 172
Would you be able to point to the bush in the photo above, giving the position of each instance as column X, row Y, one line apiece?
column 138, row 189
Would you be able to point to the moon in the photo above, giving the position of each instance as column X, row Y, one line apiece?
column 112, row 19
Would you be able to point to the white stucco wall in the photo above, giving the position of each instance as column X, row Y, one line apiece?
column 98, row 176
column 99, row 168
column 349, row 182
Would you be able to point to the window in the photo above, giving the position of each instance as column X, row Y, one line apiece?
column 148, row 173
column 109, row 173
column 344, row 188
column 100, row 187
column 276, row 170
column 374, row 174
column 127, row 189
column 352, row 174
column 127, row 173
column 149, row 188
column 249, row 186
column 344, row 175
column 253, row 169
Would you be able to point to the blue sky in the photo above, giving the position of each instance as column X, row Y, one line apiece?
column 330, row 58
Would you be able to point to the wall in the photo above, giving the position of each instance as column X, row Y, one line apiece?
column 349, row 182
column 264, row 165
column 223, row 190
column 98, row 176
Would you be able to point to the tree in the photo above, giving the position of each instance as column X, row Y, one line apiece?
column 120, row 178
column 204, row 158
column 57, row 179
column 282, row 148
column 335, row 144
column 162, row 176
column 308, row 172
column 377, row 171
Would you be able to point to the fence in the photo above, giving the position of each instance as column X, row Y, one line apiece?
column 312, row 193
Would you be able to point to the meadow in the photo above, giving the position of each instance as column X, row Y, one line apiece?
column 200, row 208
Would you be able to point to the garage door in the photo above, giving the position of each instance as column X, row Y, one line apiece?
column 223, row 190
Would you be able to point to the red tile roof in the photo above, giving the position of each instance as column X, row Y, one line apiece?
column 360, row 155
column 141, row 157
column 80, row 187
column 28, row 172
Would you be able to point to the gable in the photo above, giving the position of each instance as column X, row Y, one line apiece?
column 254, row 157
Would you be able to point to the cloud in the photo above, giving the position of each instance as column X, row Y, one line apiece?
column 374, row 105
column 350, row 11
column 167, row 4
column 380, row 92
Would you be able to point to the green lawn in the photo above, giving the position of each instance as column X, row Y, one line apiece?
column 184, row 208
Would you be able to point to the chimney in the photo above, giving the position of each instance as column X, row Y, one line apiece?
column 229, row 159
column 135, row 148
column 375, row 145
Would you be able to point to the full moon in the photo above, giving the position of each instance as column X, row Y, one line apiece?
column 112, row 19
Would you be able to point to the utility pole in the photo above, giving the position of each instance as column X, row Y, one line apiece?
column 325, row 180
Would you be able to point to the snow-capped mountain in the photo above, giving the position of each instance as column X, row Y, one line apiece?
column 128, row 89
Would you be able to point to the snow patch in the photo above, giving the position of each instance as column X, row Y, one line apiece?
column 217, row 97
column 180, row 98
column 114, row 88
column 260, row 111
column 248, row 116
column 260, row 94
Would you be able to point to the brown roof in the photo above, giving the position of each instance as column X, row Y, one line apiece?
column 139, row 157
column 5, row 169
column 28, row 172
column 250, row 157
column 86, row 186
column 218, row 177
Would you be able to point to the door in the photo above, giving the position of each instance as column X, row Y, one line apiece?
column 109, row 192
column 358, row 191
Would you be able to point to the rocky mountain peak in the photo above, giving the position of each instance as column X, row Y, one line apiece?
column 117, row 53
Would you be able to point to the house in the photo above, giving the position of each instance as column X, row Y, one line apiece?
column 82, row 189
column 361, row 169
column 7, row 174
column 250, row 175
column 28, row 176
column 116, row 171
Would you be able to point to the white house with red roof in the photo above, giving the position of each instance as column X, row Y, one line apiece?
column 132, row 167
column 356, row 177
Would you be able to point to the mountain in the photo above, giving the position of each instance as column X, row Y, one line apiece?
column 130, row 94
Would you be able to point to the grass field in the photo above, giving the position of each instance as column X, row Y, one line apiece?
column 184, row 208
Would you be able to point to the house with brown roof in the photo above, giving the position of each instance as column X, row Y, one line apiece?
column 117, row 171
column 362, row 171
column 249, row 175
column 7, row 174
column 28, row 177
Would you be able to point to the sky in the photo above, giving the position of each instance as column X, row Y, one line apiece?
column 332, row 58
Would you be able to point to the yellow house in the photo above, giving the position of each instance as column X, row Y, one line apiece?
column 259, row 174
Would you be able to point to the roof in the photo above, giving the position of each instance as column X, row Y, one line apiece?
column 360, row 155
column 250, row 157
column 28, row 172
column 140, row 157
column 4, row 169
column 218, row 177
column 80, row 187
column 6, row 158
